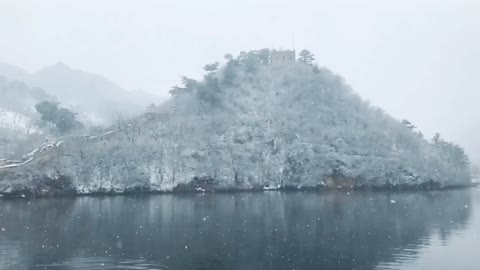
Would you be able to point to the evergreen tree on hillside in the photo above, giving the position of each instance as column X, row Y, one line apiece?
column 306, row 57
column 211, row 67
column 63, row 119
column 408, row 124
column 436, row 138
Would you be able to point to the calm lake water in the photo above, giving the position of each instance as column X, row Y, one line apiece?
column 271, row 230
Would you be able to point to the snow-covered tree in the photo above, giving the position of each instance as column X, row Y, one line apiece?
column 62, row 118
column 306, row 57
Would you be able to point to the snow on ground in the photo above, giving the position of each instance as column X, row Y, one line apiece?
column 16, row 121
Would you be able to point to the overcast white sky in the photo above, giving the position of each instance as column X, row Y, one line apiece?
column 417, row 59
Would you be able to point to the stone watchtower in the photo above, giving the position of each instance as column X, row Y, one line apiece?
column 282, row 57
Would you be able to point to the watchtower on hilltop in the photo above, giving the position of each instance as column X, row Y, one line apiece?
column 282, row 57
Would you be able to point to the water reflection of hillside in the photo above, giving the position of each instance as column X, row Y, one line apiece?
column 273, row 230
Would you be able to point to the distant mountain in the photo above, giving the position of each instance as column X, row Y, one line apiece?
column 17, row 96
column 95, row 98
column 13, row 72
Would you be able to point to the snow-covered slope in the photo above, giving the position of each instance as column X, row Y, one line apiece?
column 248, row 125
column 15, row 121
column 17, row 105
column 18, row 119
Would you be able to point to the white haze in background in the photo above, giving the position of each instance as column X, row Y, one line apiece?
column 97, row 100
column 418, row 60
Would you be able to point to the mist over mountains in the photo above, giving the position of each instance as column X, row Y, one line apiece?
column 96, row 100
column 92, row 100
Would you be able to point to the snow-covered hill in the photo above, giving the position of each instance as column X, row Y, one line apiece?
column 248, row 125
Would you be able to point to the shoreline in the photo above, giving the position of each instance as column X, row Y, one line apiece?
column 319, row 189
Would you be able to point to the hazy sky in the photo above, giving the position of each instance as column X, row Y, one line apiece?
column 417, row 59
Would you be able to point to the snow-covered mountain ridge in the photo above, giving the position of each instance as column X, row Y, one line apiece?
column 247, row 125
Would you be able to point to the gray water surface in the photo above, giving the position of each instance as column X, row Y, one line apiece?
column 270, row 230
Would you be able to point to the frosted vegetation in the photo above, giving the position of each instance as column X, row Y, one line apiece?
column 19, row 131
column 247, row 125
